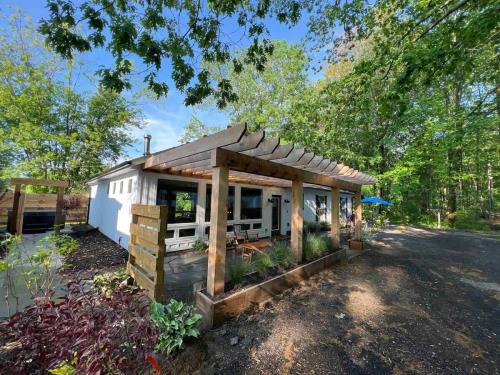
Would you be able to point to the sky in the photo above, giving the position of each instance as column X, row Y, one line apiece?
column 164, row 119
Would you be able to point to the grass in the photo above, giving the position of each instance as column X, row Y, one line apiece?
column 262, row 263
column 237, row 270
column 315, row 246
column 281, row 254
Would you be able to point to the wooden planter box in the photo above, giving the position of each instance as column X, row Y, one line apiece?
column 356, row 245
column 215, row 312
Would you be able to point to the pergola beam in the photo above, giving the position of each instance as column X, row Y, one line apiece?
column 244, row 163
column 224, row 138
column 195, row 158
column 38, row 182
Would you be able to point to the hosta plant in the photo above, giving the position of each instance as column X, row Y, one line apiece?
column 174, row 322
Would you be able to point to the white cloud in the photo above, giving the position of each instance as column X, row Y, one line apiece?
column 164, row 134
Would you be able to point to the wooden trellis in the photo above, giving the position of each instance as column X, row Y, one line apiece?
column 19, row 199
column 147, row 248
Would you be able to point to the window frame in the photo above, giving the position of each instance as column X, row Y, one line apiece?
column 242, row 206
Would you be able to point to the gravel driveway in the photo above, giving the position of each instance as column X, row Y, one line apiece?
column 422, row 301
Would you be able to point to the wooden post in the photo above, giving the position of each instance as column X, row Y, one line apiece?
column 335, row 217
column 20, row 214
column 59, row 207
column 160, row 263
column 15, row 210
column 358, row 216
column 297, row 219
column 218, row 229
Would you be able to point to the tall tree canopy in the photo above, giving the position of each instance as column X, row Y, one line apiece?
column 412, row 92
column 47, row 129
column 264, row 98
column 413, row 95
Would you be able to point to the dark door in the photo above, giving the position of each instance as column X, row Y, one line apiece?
column 276, row 219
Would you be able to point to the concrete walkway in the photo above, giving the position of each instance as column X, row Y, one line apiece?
column 17, row 297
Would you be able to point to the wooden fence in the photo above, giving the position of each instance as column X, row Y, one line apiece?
column 147, row 248
column 75, row 205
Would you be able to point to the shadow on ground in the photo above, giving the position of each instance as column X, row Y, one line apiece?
column 421, row 302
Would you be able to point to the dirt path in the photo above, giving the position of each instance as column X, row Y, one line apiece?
column 424, row 302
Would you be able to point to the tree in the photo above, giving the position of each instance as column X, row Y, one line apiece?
column 196, row 129
column 47, row 129
column 265, row 97
column 161, row 34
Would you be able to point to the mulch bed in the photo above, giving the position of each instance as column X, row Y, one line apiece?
column 96, row 252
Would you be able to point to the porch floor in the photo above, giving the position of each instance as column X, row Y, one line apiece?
column 186, row 271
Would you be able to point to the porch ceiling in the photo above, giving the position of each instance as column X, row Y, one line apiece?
column 254, row 159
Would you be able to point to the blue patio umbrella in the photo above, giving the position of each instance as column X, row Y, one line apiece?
column 376, row 200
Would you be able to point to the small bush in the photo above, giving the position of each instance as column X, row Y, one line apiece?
column 314, row 246
column 84, row 331
column 470, row 220
column 200, row 245
column 262, row 263
column 108, row 282
column 311, row 227
column 324, row 226
column 237, row 270
column 62, row 244
column 174, row 321
column 281, row 254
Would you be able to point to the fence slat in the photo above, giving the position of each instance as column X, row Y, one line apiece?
column 143, row 258
column 148, row 222
column 147, row 232
column 153, row 212
column 75, row 205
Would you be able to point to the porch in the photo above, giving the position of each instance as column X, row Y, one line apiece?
column 186, row 271
column 238, row 156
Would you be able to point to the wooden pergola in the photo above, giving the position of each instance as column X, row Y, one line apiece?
column 18, row 203
column 237, row 155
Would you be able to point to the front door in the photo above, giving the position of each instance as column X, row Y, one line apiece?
column 276, row 219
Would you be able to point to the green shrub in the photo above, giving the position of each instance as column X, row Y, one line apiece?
column 281, row 254
column 62, row 244
column 108, row 282
column 200, row 245
column 262, row 263
column 324, row 226
column 174, row 321
column 237, row 270
column 329, row 244
column 311, row 227
column 314, row 246
column 470, row 220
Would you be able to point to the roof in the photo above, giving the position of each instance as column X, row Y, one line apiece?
column 252, row 158
column 246, row 153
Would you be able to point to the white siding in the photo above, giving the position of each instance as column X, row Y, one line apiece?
column 111, row 212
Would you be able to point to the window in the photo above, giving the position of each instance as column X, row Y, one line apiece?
column 230, row 203
column 170, row 234
column 251, row 203
column 257, row 225
column 244, row 226
column 114, row 187
column 343, row 207
column 121, row 187
column 109, row 188
column 181, row 198
column 129, row 190
column 188, row 232
column 320, row 208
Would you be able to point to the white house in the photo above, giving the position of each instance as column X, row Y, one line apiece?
column 259, row 207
